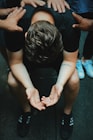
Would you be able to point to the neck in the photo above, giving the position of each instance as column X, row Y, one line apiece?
column 42, row 15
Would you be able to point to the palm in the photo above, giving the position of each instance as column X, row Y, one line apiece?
column 34, row 99
column 54, row 96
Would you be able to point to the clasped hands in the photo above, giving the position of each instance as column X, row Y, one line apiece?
column 41, row 104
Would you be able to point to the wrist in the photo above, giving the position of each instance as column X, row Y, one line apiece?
column 60, row 84
column 29, row 87
column 59, row 88
column 91, row 26
column 2, row 24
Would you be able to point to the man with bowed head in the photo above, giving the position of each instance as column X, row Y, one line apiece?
column 42, row 46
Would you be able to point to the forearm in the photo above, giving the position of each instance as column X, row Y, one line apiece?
column 2, row 24
column 66, row 70
column 21, row 74
column 3, row 11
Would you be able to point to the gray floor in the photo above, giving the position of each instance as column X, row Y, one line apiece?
column 45, row 125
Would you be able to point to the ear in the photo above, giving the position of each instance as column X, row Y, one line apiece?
column 25, row 34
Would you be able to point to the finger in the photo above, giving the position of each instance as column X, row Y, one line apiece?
column 49, row 4
column 40, row 106
column 18, row 10
column 21, row 13
column 54, row 7
column 63, row 8
column 59, row 9
column 43, row 97
column 43, row 107
column 22, row 4
column 75, row 25
column 77, row 17
column 40, row 109
column 34, row 4
column 28, row 95
column 18, row 13
column 13, row 13
column 46, row 102
column 40, row 3
column 20, row 30
column 67, row 5
column 15, row 10
column 10, row 10
column 37, row 3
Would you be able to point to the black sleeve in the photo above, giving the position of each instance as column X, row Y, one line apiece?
column 14, row 40
column 64, row 22
column 12, row 3
column 70, row 35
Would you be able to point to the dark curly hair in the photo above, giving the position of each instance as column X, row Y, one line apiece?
column 43, row 42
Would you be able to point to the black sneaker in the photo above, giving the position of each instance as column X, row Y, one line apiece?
column 66, row 126
column 24, row 124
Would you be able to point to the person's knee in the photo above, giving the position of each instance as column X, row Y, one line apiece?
column 12, row 81
column 74, row 81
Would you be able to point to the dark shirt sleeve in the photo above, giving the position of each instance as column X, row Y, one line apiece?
column 64, row 22
column 14, row 41
column 70, row 35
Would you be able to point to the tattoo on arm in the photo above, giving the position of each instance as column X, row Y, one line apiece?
column 68, row 65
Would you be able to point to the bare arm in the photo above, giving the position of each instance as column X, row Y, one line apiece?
column 83, row 23
column 21, row 74
column 66, row 70
column 10, row 23
column 18, row 68
column 67, row 67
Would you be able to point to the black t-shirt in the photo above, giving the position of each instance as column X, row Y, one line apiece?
column 63, row 21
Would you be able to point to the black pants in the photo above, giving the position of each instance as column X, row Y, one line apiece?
column 88, row 45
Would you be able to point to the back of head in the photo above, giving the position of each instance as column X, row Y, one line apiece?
column 43, row 42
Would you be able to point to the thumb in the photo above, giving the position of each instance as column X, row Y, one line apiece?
column 28, row 94
column 75, row 25
column 22, row 4
column 19, row 29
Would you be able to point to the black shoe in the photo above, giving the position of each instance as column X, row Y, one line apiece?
column 66, row 126
column 24, row 124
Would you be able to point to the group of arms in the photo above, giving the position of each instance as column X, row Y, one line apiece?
column 15, row 14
